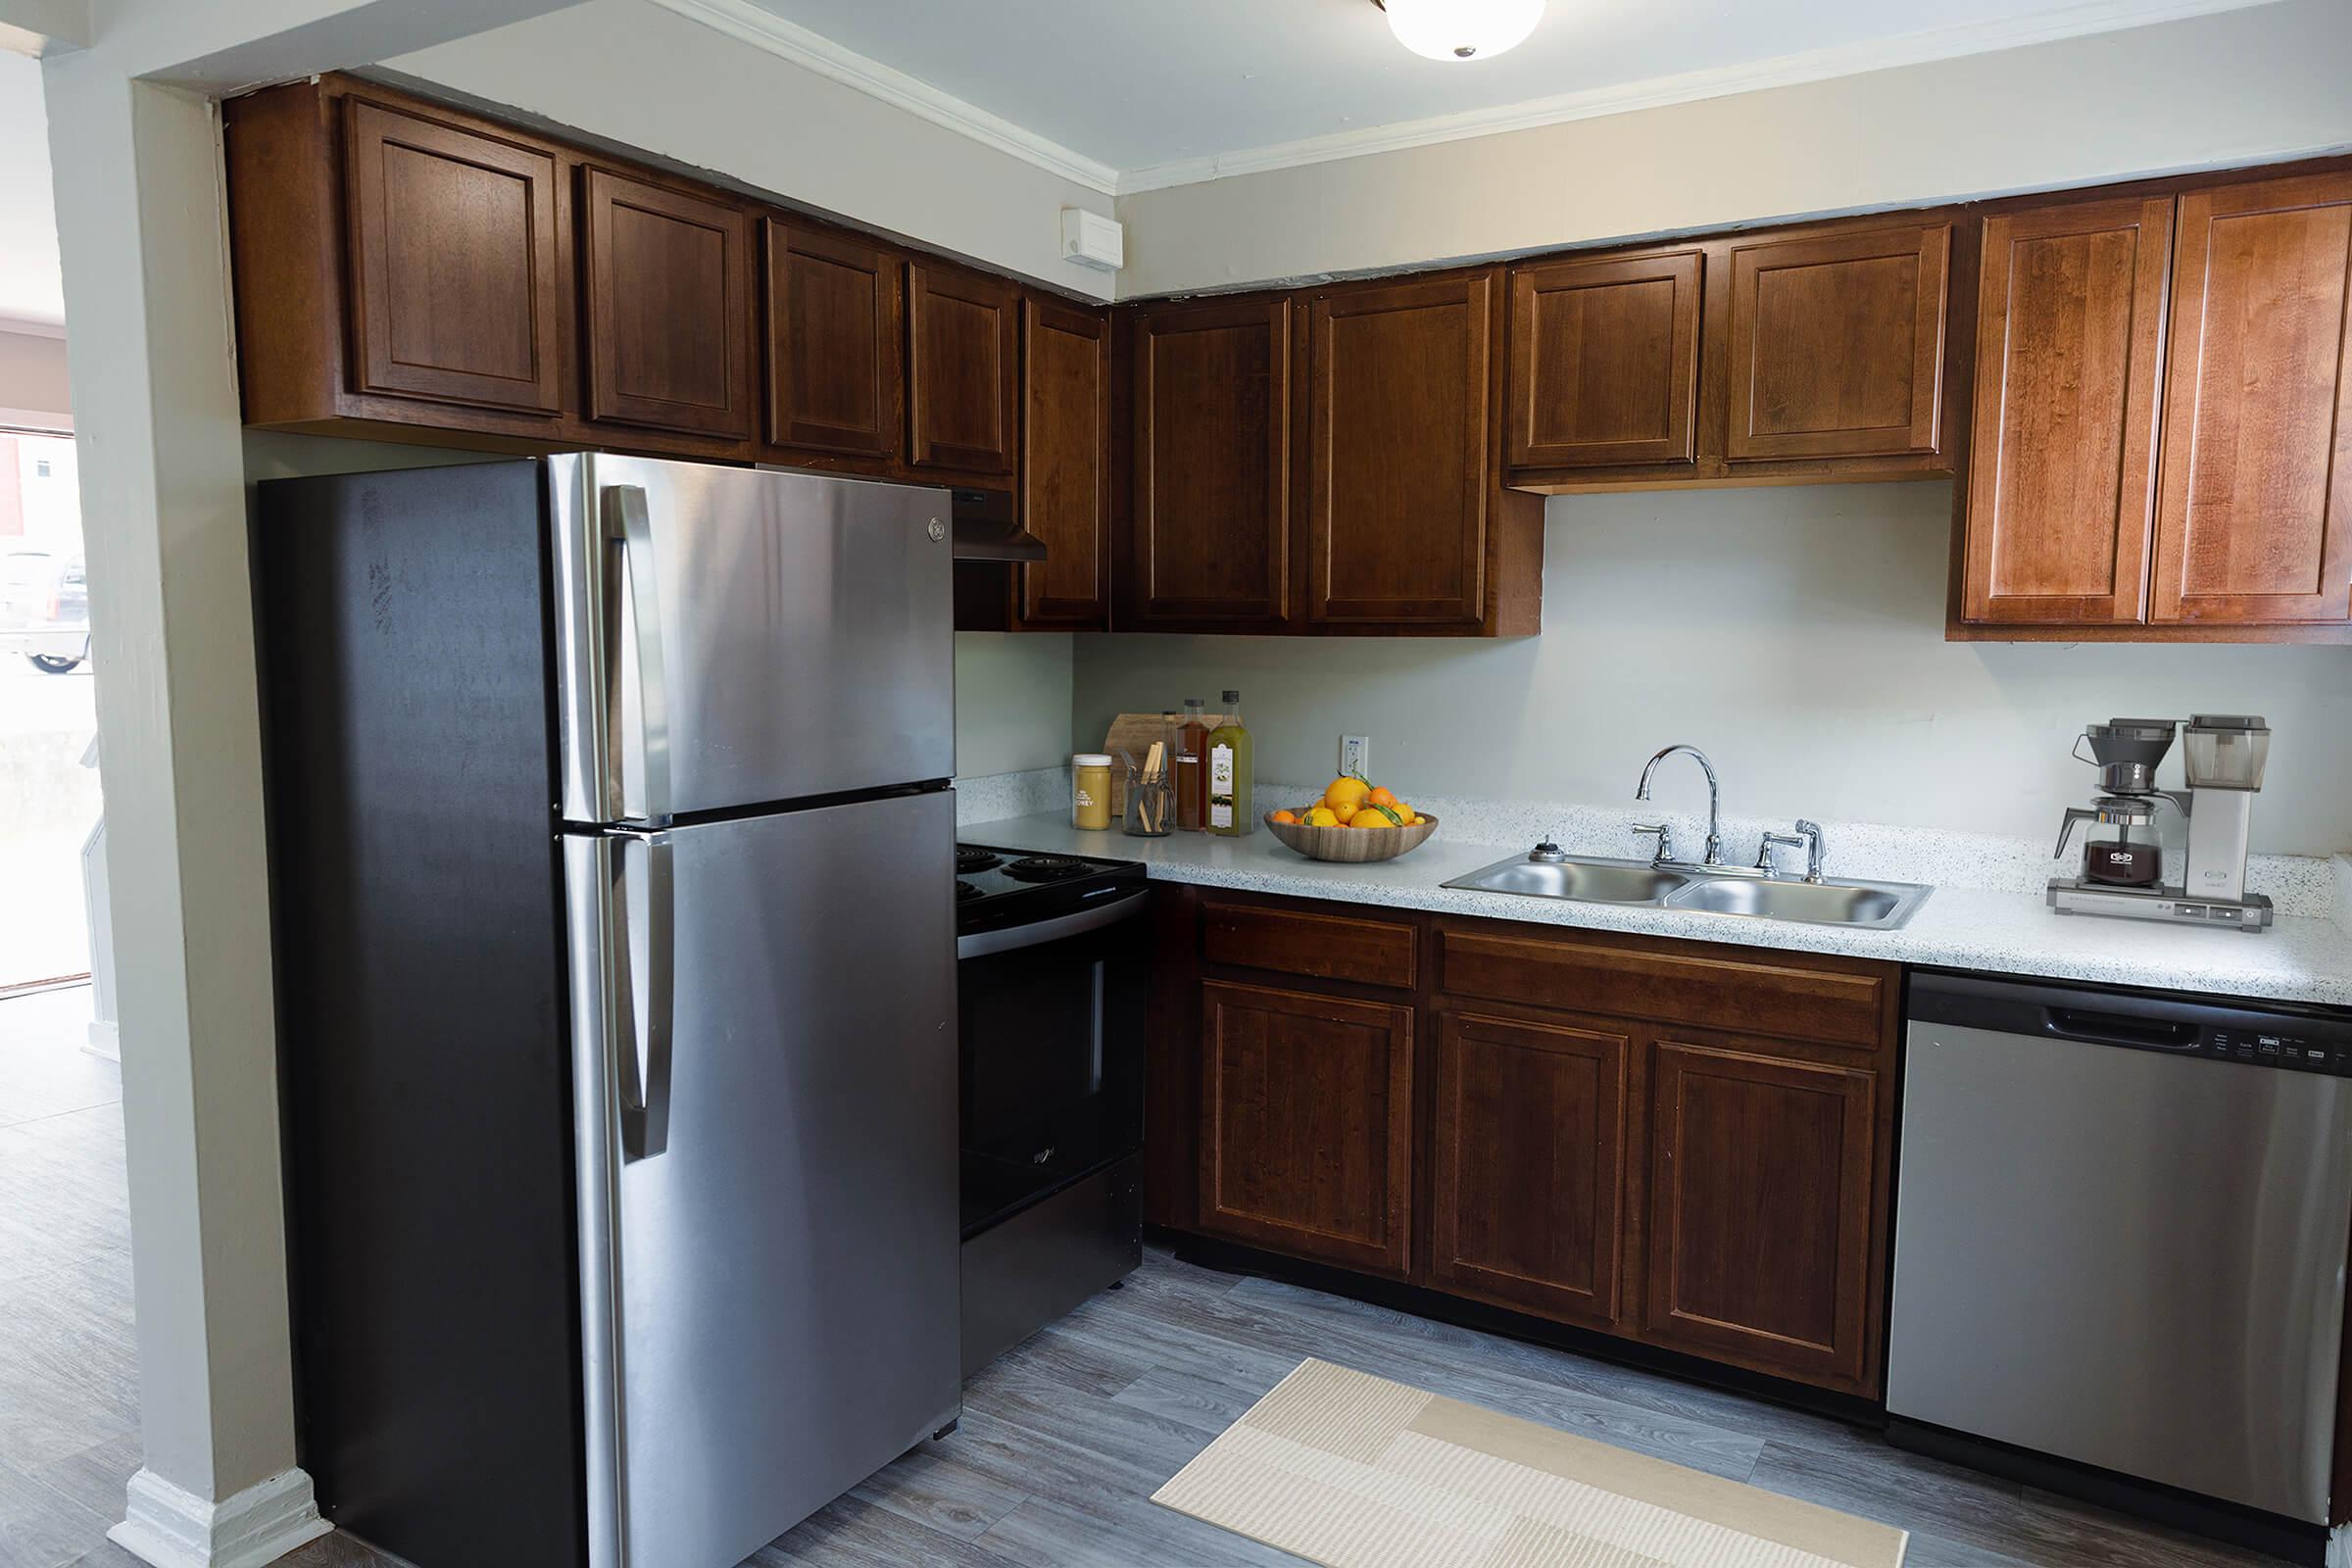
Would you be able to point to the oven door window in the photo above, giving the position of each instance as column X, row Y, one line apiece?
column 1052, row 1047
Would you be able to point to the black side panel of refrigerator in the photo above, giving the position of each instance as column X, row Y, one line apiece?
column 423, row 1070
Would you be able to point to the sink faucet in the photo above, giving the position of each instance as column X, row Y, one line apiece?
column 1807, row 838
column 1714, row 796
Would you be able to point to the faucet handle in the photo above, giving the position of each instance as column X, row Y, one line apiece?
column 1774, row 840
column 1813, row 848
column 1665, row 836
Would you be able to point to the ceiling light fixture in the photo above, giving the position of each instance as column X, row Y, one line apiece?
column 1461, row 29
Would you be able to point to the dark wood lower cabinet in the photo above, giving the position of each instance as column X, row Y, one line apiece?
column 1528, row 1147
column 1685, row 1143
column 1762, row 1176
column 1307, row 1124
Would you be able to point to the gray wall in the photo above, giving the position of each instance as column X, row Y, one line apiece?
column 1797, row 634
column 1013, row 701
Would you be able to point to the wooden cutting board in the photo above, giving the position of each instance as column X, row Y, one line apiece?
column 1134, row 733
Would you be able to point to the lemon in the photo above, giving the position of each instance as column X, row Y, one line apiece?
column 1322, row 817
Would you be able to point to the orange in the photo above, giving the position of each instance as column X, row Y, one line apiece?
column 1404, row 813
column 1375, row 814
column 1382, row 795
column 1346, row 794
column 1344, row 810
column 1291, row 818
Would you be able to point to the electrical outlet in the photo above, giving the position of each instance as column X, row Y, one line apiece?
column 1355, row 756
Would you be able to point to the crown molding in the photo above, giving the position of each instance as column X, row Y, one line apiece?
column 765, row 29
column 1787, row 70
column 750, row 23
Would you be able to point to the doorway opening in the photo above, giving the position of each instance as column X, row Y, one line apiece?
column 52, row 841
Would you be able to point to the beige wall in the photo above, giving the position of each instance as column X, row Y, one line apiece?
column 32, row 380
column 2237, row 87
column 1797, row 634
column 645, row 78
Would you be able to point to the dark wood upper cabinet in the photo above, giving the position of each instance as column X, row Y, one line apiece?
column 835, row 356
column 2061, row 492
column 1066, row 464
column 1604, row 361
column 1836, row 346
column 2254, row 520
column 668, row 298
column 1528, row 1188
column 962, row 366
column 1398, row 451
column 1211, row 517
column 1761, row 1212
column 1306, row 1131
column 455, row 290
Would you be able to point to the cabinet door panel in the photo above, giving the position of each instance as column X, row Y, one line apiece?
column 455, row 266
column 668, row 306
column 2255, row 519
column 1837, row 344
column 1212, row 476
column 1066, row 464
column 2061, row 486
column 1307, row 1124
column 1530, row 1148
column 1761, row 1199
column 1397, row 479
column 1605, row 362
column 963, row 362
column 834, row 355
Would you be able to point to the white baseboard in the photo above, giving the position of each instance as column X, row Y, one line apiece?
column 171, row 1526
column 2340, row 1547
column 105, row 1040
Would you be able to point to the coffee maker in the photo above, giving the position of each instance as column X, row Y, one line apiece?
column 2125, row 874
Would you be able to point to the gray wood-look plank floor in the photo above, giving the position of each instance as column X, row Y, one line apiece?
column 1063, row 1442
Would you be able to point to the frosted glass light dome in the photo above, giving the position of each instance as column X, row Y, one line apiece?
column 1461, row 29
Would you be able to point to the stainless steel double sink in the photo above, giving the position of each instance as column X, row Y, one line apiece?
column 1715, row 889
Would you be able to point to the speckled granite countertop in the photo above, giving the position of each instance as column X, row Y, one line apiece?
column 2302, row 957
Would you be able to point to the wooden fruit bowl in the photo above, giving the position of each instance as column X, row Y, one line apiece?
column 1351, row 846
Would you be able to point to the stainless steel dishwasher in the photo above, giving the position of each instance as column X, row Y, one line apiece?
column 2121, row 1233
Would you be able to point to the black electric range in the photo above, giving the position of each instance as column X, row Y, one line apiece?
column 1051, row 984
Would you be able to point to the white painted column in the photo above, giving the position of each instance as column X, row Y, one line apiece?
column 142, row 233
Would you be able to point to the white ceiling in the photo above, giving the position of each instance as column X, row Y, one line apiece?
column 1163, row 91
column 31, row 288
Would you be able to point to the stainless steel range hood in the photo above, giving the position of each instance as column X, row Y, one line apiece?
column 988, row 529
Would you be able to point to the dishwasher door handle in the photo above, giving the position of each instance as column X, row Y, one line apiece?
column 2121, row 1029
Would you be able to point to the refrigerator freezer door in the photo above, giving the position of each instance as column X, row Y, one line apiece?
column 770, row 1291
column 731, row 637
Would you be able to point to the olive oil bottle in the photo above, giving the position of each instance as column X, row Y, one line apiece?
column 1229, row 765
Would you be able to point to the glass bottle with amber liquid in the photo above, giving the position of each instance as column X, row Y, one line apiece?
column 1230, row 766
column 1191, row 762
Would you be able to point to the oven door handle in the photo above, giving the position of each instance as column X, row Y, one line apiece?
column 1013, row 938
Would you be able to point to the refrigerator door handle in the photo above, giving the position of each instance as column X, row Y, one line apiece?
column 644, row 1066
column 627, row 522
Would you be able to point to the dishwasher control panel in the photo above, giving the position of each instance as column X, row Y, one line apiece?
column 2273, row 1048
column 2291, row 1037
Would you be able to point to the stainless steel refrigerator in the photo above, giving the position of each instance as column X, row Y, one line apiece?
column 611, row 848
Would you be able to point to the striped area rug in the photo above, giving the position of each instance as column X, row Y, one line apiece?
column 1353, row 1471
